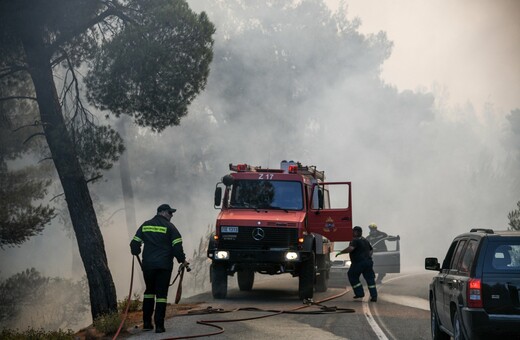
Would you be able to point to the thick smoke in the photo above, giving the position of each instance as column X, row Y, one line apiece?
column 297, row 82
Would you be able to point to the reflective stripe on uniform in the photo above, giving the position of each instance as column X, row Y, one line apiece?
column 374, row 286
column 358, row 285
column 149, row 296
column 154, row 229
column 137, row 239
column 161, row 300
column 177, row 240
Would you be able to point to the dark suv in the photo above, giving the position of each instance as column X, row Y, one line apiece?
column 476, row 293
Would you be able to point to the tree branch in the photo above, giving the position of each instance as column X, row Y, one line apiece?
column 36, row 123
column 94, row 178
column 113, row 9
column 16, row 97
column 32, row 136
column 5, row 72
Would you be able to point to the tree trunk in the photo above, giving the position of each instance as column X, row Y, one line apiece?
column 103, row 297
column 126, row 182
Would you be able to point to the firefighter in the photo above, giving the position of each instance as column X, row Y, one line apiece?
column 376, row 237
column 162, row 242
column 360, row 252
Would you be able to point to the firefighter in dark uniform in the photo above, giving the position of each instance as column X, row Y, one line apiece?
column 360, row 252
column 376, row 237
column 162, row 242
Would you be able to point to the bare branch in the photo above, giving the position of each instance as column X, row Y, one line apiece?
column 57, row 196
column 32, row 136
column 44, row 159
column 16, row 97
column 5, row 72
column 36, row 123
column 94, row 178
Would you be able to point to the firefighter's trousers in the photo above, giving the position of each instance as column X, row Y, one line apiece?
column 365, row 267
column 156, row 294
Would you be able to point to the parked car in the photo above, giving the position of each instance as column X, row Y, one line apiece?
column 475, row 295
column 388, row 261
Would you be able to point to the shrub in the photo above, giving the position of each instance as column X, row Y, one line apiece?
column 108, row 323
column 36, row 334
column 135, row 304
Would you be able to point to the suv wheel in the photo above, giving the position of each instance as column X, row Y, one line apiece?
column 457, row 327
column 437, row 333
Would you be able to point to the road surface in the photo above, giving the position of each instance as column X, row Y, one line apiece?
column 401, row 312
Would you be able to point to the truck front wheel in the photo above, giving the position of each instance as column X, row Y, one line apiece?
column 218, row 280
column 245, row 279
column 306, row 279
column 322, row 279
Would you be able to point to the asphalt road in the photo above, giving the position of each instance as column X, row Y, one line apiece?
column 401, row 312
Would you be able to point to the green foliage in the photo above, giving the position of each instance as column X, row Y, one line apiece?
column 108, row 323
column 36, row 334
column 19, row 219
column 20, row 190
column 514, row 218
column 135, row 304
column 27, row 297
column 154, row 68
column 98, row 147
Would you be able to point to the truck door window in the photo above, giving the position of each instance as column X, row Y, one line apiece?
column 334, row 197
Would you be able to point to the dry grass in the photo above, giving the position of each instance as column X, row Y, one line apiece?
column 133, row 320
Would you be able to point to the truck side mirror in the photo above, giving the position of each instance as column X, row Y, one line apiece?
column 320, row 198
column 218, row 196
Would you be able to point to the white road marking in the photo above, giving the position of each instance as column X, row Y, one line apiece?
column 375, row 327
column 417, row 303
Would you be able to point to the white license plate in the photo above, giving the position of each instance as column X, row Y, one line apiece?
column 229, row 229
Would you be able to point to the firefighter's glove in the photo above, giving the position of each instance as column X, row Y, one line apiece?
column 337, row 254
column 185, row 265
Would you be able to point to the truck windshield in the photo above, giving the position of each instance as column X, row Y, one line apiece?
column 259, row 194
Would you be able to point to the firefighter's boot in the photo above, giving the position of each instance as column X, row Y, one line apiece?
column 160, row 313
column 373, row 292
column 358, row 291
column 148, row 306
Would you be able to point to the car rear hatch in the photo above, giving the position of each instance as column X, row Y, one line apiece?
column 501, row 277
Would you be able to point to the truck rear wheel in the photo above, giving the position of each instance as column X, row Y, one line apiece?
column 245, row 279
column 306, row 279
column 218, row 280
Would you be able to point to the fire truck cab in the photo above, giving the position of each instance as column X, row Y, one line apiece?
column 276, row 221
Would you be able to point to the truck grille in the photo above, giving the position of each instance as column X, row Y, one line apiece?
column 272, row 238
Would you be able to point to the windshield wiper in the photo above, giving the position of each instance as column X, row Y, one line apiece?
column 278, row 208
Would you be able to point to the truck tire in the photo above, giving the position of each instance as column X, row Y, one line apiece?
column 245, row 279
column 218, row 280
column 322, row 279
column 306, row 279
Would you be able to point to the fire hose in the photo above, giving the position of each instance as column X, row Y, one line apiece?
column 210, row 310
column 180, row 273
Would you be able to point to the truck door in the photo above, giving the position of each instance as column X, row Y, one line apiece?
column 330, row 210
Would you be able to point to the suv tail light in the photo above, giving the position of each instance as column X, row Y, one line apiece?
column 475, row 293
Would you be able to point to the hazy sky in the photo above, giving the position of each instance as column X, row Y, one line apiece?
column 471, row 47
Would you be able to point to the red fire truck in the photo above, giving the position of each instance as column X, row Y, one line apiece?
column 276, row 221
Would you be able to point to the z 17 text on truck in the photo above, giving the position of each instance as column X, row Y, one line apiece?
column 277, row 221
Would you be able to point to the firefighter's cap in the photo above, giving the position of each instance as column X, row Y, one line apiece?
column 165, row 207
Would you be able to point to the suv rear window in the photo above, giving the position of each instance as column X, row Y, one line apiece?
column 503, row 257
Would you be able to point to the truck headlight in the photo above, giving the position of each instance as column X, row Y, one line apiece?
column 291, row 256
column 222, row 255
